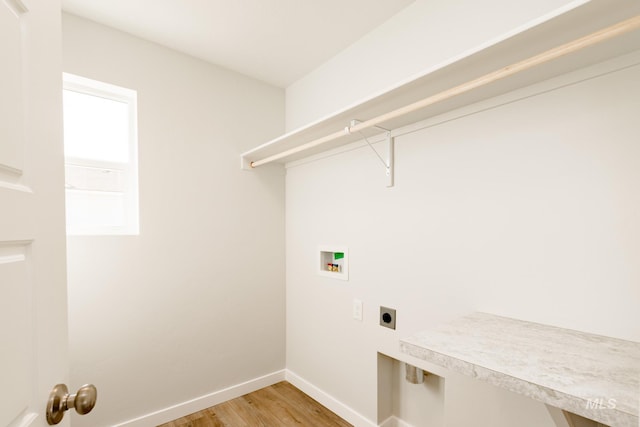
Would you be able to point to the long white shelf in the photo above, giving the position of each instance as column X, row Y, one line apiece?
column 562, row 26
column 590, row 375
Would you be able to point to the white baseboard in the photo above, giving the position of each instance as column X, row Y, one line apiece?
column 180, row 410
column 339, row 408
column 395, row 422
column 185, row 408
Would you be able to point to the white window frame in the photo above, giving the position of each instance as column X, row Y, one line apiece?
column 131, row 225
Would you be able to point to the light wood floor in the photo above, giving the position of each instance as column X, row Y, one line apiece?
column 280, row 405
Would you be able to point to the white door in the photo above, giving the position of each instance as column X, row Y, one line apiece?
column 33, row 329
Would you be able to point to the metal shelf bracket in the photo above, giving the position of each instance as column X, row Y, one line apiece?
column 389, row 162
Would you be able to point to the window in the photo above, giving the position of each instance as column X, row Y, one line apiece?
column 100, row 149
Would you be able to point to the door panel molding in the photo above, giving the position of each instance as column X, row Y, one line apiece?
column 17, row 336
column 12, row 114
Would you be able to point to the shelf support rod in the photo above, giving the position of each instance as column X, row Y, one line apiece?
column 607, row 33
column 391, row 145
column 389, row 163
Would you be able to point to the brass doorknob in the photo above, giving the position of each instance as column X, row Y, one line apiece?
column 60, row 401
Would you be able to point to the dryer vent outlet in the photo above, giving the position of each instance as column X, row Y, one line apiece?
column 388, row 317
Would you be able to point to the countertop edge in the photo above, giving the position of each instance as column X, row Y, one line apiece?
column 575, row 404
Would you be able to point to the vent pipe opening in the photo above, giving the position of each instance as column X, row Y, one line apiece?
column 414, row 375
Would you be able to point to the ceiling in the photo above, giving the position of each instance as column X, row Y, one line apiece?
column 276, row 41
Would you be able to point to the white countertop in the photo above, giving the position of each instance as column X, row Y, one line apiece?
column 590, row 375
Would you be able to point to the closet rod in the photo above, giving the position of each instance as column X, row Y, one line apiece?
column 549, row 55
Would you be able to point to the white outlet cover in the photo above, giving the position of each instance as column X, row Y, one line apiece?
column 357, row 309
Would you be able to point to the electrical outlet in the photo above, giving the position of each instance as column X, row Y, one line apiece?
column 388, row 317
column 357, row 309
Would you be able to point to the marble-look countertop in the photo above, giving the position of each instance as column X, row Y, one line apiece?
column 590, row 375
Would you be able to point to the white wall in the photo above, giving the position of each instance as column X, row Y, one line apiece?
column 421, row 36
column 527, row 209
column 195, row 303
